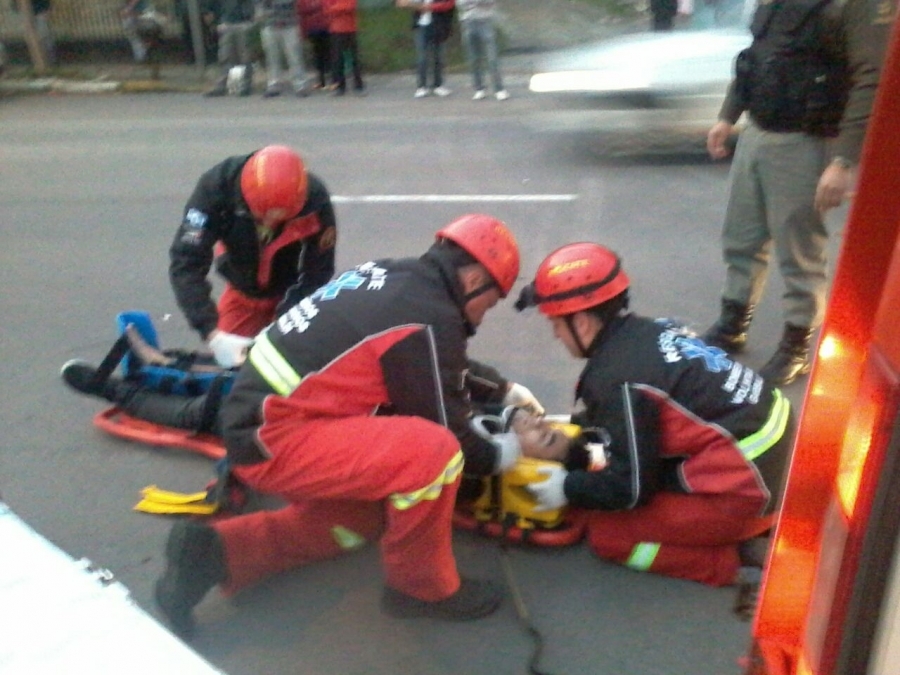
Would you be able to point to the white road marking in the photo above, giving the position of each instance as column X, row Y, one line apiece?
column 397, row 199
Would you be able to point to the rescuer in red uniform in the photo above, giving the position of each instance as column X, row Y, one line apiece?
column 270, row 228
column 696, row 443
column 355, row 407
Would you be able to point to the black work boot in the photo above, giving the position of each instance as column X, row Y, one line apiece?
column 85, row 378
column 792, row 357
column 730, row 331
column 196, row 563
column 473, row 600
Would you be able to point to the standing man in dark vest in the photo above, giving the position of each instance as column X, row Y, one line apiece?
column 809, row 76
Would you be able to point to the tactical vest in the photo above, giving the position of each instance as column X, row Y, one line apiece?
column 787, row 78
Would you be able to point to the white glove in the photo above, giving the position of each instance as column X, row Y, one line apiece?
column 520, row 396
column 508, row 450
column 550, row 493
column 229, row 350
column 491, row 428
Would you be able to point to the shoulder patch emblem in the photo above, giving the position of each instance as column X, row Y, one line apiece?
column 328, row 238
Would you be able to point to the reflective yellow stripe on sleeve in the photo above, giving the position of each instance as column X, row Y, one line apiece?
column 756, row 444
column 403, row 501
column 642, row 556
column 273, row 367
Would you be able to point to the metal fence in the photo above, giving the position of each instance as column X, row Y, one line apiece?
column 99, row 19
column 83, row 19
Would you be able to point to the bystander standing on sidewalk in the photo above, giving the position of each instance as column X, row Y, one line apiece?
column 235, row 25
column 41, row 9
column 314, row 28
column 281, row 38
column 129, row 14
column 342, row 26
column 432, row 24
column 479, row 37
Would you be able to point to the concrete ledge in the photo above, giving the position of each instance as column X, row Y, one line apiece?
column 52, row 84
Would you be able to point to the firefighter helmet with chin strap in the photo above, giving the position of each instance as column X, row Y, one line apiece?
column 274, row 183
column 490, row 242
column 575, row 277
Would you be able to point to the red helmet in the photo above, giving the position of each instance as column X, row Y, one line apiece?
column 274, row 178
column 576, row 277
column 490, row 242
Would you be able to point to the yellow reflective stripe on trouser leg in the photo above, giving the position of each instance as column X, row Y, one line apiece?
column 642, row 556
column 756, row 444
column 347, row 539
column 273, row 367
column 402, row 501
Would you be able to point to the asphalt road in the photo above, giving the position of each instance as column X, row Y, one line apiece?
column 91, row 190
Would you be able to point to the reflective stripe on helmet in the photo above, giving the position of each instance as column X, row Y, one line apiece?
column 576, row 277
column 539, row 299
column 403, row 501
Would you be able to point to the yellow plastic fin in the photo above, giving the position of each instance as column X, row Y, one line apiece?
column 160, row 501
column 167, row 497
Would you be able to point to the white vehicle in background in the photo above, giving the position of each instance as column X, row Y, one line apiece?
column 642, row 90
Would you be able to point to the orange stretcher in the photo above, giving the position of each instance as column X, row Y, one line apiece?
column 570, row 531
column 506, row 509
column 511, row 519
column 117, row 423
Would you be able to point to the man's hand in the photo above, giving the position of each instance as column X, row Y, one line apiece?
column 835, row 185
column 521, row 397
column 717, row 139
column 550, row 493
column 229, row 350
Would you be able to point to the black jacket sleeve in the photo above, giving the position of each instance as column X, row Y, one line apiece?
column 191, row 252
column 630, row 479
column 425, row 376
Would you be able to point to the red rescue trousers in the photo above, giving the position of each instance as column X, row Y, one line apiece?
column 242, row 315
column 688, row 536
column 351, row 480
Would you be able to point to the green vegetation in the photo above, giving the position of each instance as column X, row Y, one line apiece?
column 386, row 42
column 618, row 8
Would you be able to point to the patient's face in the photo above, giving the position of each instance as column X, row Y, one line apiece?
column 538, row 438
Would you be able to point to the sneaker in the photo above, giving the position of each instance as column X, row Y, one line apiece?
column 361, row 91
column 421, row 92
column 82, row 377
column 442, row 91
column 302, row 92
column 338, row 91
column 480, row 94
column 502, row 95
column 473, row 600
column 271, row 93
column 195, row 563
